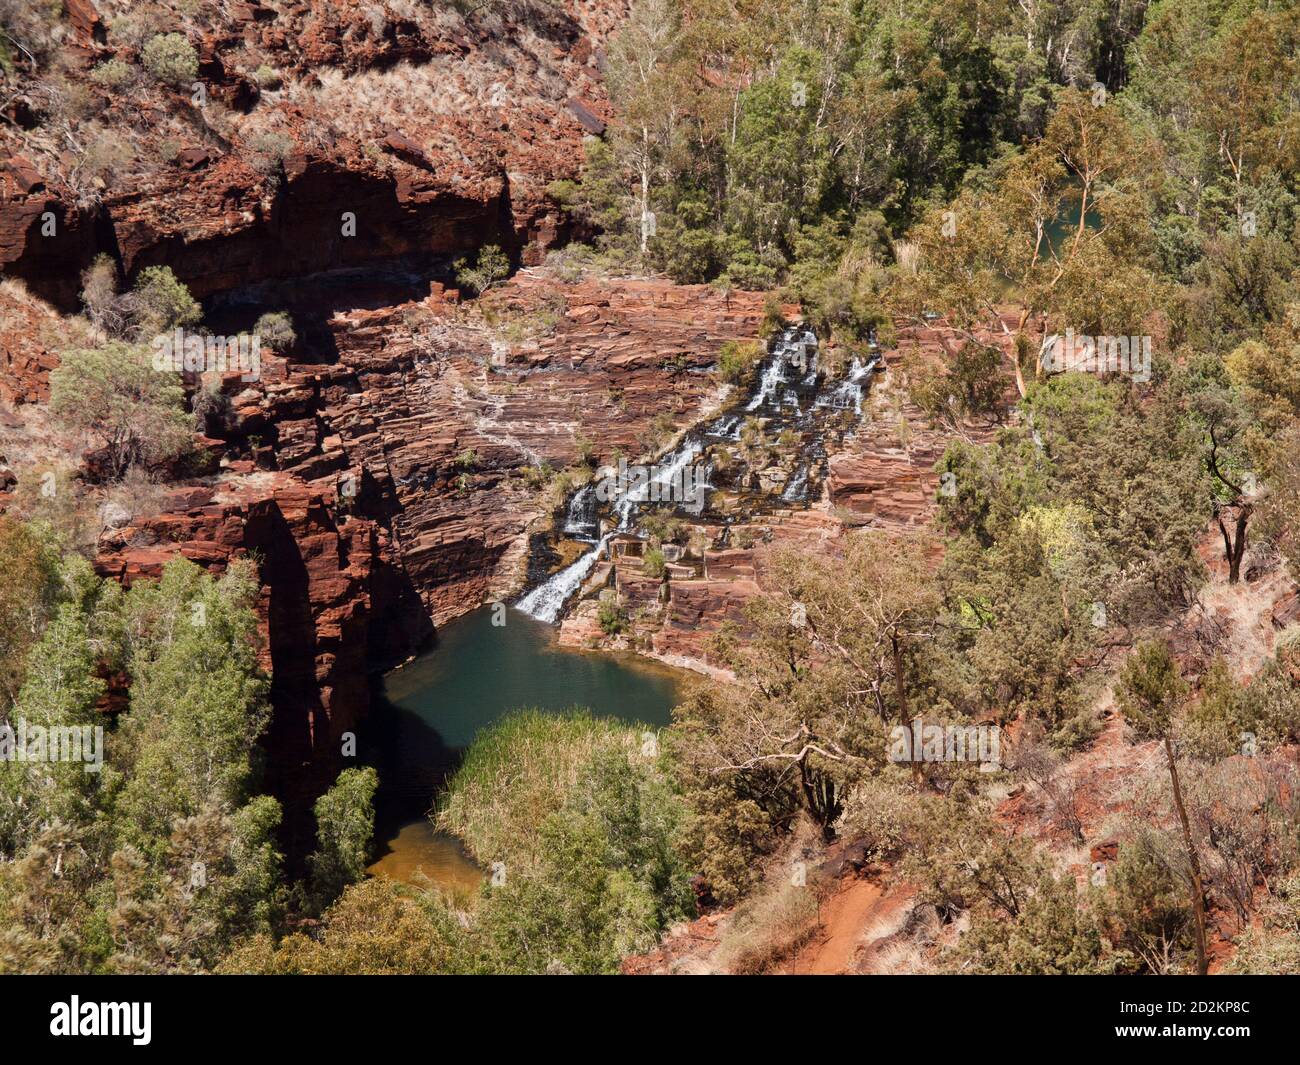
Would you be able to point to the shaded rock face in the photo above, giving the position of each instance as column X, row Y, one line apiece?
column 434, row 420
column 329, row 601
column 426, row 134
column 44, row 239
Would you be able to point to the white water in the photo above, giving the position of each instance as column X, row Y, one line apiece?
column 796, row 348
column 726, row 427
column 798, row 483
column 773, row 378
column 665, row 472
column 848, row 393
column 575, row 521
column 546, row 601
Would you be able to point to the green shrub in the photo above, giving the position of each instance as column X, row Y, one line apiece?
column 737, row 359
column 653, row 563
column 268, row 77
column 29, row 586
column 605, row 881
column 663, row 526
column 612, row 617
column 1273, row 948
column 171, row 59
column 113, row 74
column 134, row 28
column 161, row 302
column 377, row 928
column 275, row 328
column 31, row 28
column 586, row 450
column 492, row 266
column 272, row 149
column 1056, row 933
column 345, row 822
column 113, row 394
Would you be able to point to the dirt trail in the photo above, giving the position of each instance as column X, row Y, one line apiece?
column 859, row 916
column 845, row 917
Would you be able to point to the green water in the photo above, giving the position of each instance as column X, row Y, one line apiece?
column 431, row 709
column 1060, row 232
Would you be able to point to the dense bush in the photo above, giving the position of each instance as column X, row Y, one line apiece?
column 345, row 822
column 737, row 359
column 170, row 58
column 578, row 823
column 275, row 328
column 166, row 855
column 113, row 74
column 161, row 302
column 114, row 395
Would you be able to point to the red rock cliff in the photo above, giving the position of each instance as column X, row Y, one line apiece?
column 314, row 136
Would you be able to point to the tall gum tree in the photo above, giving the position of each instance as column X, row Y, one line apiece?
column 1062, row 232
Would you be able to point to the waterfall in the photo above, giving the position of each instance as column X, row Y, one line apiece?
column 546, row 601
column 798, row 486
column 727, row 427
column 772, row 379
column 796, row 348
column 581, row 517
column 666, row 472
column 788, row 381
column 848, row 393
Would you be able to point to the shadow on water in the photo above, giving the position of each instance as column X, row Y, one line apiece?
column 425, row 714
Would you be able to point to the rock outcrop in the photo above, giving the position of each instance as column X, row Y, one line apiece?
column 25, row 356
column 885, row 476
column 330, row 603
column 314, row 136
column 882, row 476
column 444, row 427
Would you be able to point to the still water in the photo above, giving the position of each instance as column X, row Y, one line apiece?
column 431, row 709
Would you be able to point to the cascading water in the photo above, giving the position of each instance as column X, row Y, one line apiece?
column 847, row 395
column 581, row 520
column 546, row 601
column 727, row 427
column 771, row 380
column 787, row 396
column 796, row 350
column 797, row 489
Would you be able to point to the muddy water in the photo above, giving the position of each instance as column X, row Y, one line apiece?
column 429, row 711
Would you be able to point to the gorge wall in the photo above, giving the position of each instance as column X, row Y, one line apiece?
column 435, row 132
